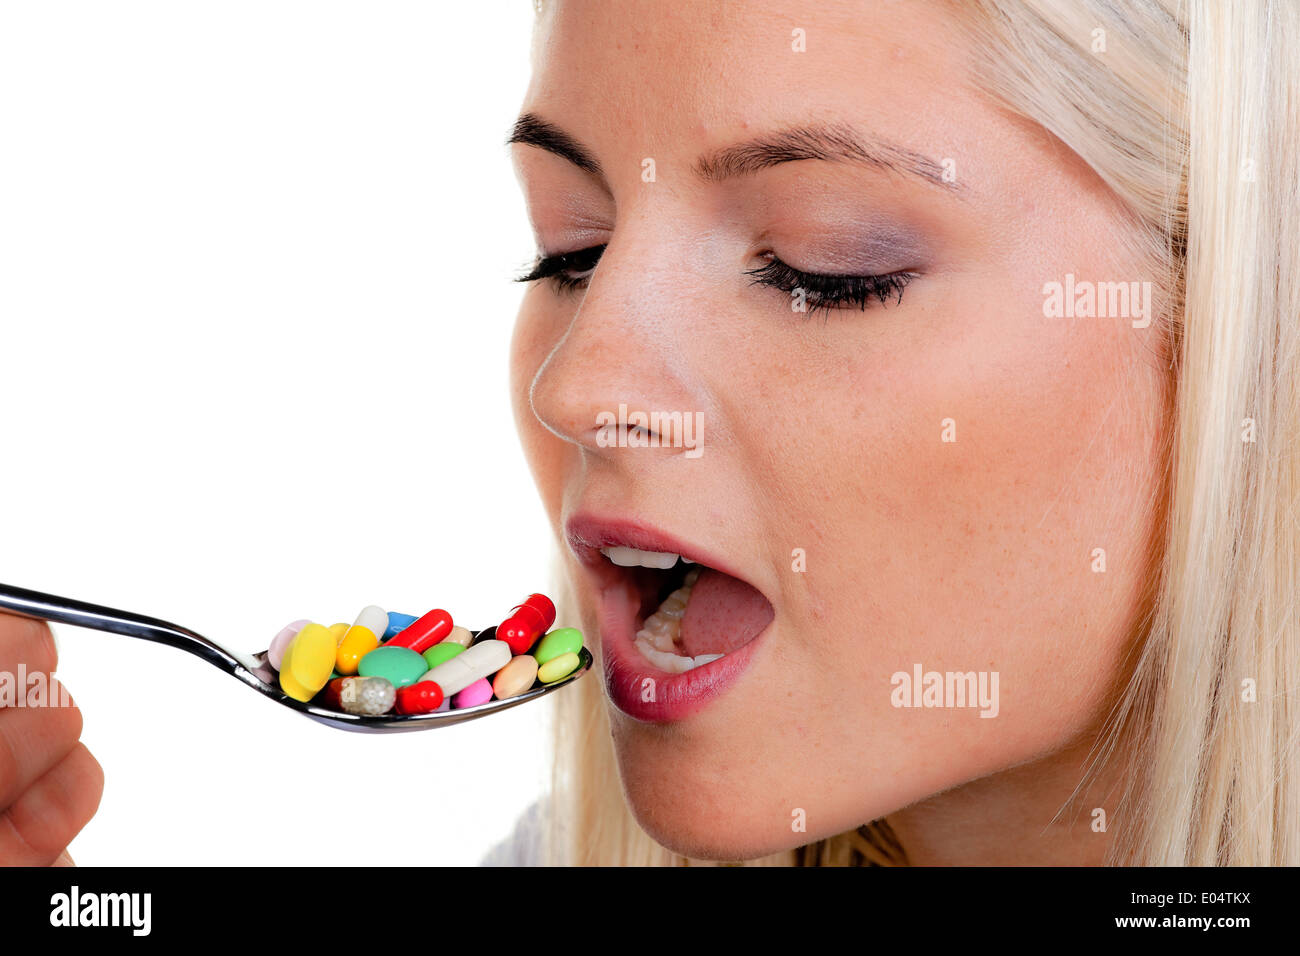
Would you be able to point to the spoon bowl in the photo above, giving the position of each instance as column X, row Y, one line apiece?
column 253, row 670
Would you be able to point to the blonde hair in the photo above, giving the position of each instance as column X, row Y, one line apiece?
column 1191, row 116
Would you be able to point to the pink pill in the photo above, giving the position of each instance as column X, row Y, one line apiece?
column 479, row 692
column 280, row 643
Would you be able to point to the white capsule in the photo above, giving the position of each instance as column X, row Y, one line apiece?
column 374, row 619
column 481, row 660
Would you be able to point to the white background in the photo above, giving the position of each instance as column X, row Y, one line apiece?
column 254, row 316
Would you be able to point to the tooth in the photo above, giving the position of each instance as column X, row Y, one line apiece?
column 673, row 663
column 633, row 557
column 660, row 642
column 667, row 620
column 692, row 576
column 672, row 612
column 657, row 624
column 623, row 557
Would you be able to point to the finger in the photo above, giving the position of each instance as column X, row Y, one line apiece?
column 26, row 641
column 33, row 740
column 65, row 859
column 37, row 827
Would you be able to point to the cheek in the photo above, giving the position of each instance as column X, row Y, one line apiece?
column 997, row 465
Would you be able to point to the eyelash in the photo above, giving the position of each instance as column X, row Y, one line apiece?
column 823, row 291
column 556, row 268
column 828, row 291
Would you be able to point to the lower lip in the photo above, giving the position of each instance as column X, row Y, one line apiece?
column 675, row 696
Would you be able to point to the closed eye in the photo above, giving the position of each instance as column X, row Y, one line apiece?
column 568, row 271
column 813, row 290
column 816, row 290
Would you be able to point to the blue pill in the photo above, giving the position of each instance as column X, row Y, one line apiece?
column 398, row 623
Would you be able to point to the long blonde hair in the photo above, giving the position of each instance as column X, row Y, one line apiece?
column 1190, row 113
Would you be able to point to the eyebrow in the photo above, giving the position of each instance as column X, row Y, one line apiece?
column 531, row 130
column 830, row 142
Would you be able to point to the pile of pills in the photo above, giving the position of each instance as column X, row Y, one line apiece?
column 387, row 662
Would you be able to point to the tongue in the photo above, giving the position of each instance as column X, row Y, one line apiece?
column 724, row 613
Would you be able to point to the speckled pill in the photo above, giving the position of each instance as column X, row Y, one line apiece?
column 368, row 696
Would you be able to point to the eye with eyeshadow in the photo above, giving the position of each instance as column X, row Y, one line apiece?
column 566, row 272
column 831, row 290
column 572, row 270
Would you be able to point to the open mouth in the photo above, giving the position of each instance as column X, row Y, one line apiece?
column 689, row 615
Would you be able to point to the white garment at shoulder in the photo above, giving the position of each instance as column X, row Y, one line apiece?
column 523, row 847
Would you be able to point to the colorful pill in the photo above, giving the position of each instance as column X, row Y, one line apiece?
column 367, row 696
column 397, row 623
column 481, row 660
column 391, row 662
column 307, row 663
column 361, row 638
column 281, row 642
column 564, row 640
column 424, row 633
column 441, row 653
column 558, row 668
column 399, row 666
column 515, row 678
column 542, row 605
column 536, row 607
column 422, row 697
column 329, row 695
column 479, row 692
column 459, row 635
column 526, row 623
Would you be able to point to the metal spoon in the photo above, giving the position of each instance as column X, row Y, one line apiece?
column 253, row 669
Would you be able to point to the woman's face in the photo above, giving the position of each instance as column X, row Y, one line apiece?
column 914, row 472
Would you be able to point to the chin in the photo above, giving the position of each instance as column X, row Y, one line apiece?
column 700, row 816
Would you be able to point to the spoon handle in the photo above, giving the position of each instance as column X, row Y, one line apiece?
column 62, row 610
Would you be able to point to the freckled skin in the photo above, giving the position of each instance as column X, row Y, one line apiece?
column 823, row 432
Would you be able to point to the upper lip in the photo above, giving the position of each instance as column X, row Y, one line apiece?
column 587, row 533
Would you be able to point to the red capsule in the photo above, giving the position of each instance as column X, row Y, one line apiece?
column 331, row 695
column 526, row 623
column 422, row 634
column 422, row 697
column 542, row 605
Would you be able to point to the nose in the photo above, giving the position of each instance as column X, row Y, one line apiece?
column 623, row 374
